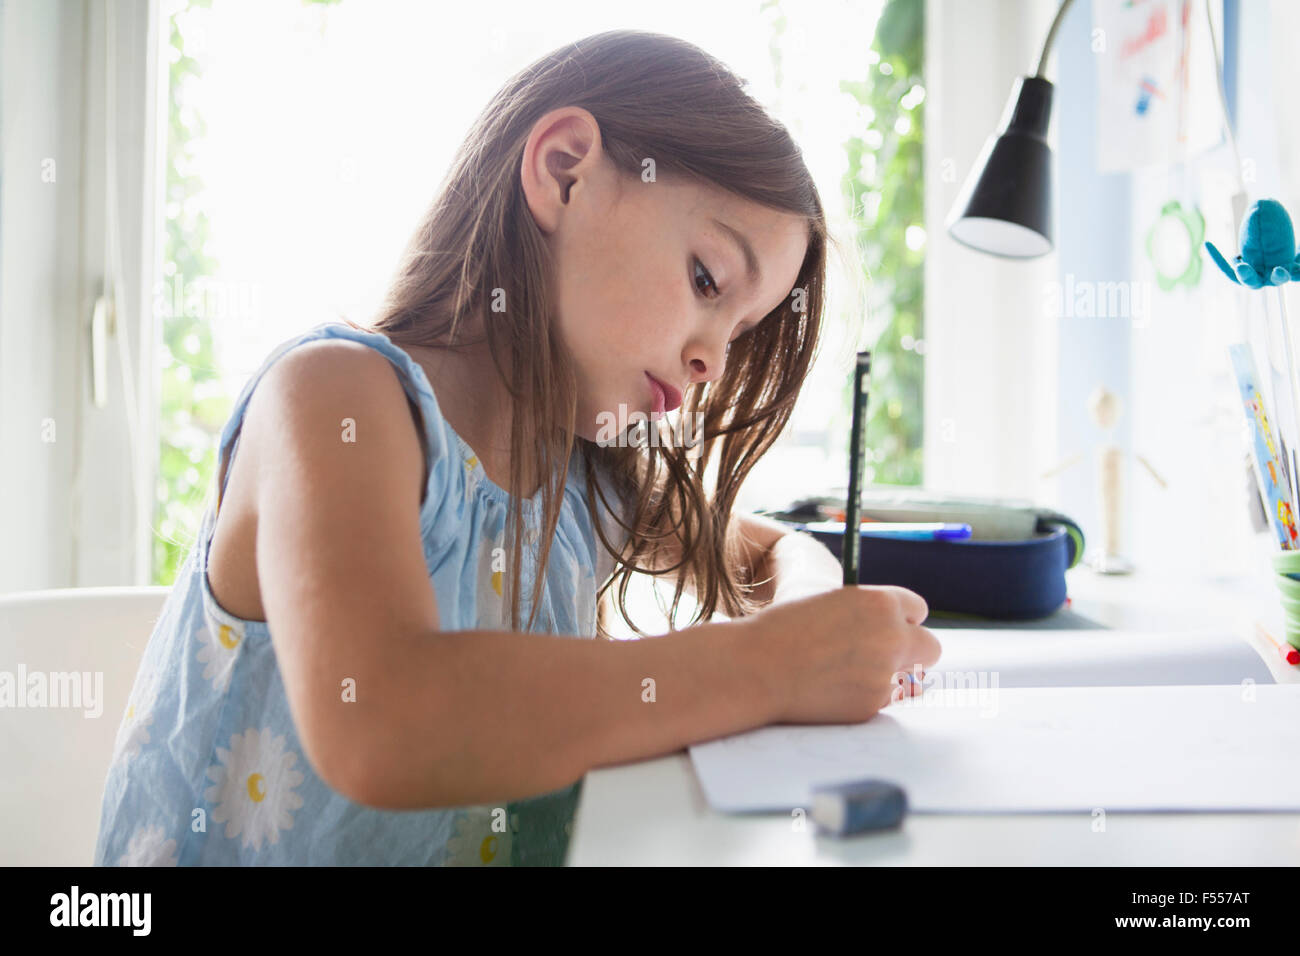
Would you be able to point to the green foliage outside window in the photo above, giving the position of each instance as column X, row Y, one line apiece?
column 885, row 187
column 193, row 406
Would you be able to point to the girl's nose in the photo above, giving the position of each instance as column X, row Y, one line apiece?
column 708, row 362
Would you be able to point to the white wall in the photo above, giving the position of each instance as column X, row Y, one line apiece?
column 1187, row 416
column 990, row 377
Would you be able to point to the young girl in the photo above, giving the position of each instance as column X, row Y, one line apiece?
column 374, row 654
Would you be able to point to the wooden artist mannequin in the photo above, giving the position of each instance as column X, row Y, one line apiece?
column 1104, row 407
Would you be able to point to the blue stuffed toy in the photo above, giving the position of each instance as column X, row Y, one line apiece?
column 1268, row 254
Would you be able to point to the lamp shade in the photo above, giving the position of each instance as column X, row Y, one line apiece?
column 1005, row 205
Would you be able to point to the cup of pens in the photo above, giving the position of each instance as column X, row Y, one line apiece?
column 1286, row 567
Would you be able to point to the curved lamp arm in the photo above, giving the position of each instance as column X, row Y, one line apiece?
column 1051, row 36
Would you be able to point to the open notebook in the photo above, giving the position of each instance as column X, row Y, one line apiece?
column 1046, row 721
column 1096, row 658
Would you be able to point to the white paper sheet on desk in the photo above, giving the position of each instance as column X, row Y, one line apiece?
column 1037, row 749
column 1094, row 658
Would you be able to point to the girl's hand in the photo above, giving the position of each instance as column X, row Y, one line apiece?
column 841, row 656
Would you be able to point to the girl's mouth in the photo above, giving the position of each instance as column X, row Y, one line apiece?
column 665, row 397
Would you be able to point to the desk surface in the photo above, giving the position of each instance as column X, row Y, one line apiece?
column 654, row 812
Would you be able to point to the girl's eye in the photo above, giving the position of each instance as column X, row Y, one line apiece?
column 701, row 272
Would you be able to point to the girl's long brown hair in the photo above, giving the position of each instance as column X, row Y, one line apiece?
column 655, row 97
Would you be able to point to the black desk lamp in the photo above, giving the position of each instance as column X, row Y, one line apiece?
column 1005, row 205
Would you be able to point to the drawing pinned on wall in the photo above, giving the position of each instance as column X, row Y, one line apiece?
column 1174, row 245
column 1147, row 88
column 1155, row 82
column 1270, row 469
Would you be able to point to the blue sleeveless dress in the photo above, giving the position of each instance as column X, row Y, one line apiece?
column 208, row 768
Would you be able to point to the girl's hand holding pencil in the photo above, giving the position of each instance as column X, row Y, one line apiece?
column 841, row 656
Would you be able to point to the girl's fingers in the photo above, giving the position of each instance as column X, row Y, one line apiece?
column 909, row 685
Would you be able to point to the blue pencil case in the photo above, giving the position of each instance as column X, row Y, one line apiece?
column 1011, row 568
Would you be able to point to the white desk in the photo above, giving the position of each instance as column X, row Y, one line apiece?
column 654, row 813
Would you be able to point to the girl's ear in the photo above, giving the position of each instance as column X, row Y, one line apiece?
column 561, row 154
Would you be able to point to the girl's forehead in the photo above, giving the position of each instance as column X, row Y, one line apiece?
column 704, row 205
column 709, row 202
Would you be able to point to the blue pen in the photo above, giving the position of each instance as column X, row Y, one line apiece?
column 907, row 530
column 917, row 530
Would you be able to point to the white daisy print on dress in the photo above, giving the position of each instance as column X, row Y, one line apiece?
column 149, row 846
column 219, row 645
column 253, row 787
column 476, row 842
column 491, row 609
column 131, row 733
column 473, row 474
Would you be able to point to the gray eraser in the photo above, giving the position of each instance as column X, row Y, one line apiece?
column 858, row 806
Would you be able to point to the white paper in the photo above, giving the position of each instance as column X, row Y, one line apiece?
column 1048, row 749
column 1157, row 100
column 1092, row 658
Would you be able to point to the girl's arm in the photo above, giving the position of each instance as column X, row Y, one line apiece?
column 392, row 711
column 785, row 563
column 796, row 565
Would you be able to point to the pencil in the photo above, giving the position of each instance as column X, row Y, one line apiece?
column 857, row 454
column 1286, row 652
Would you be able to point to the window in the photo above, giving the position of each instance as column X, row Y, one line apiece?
column 306, row 138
